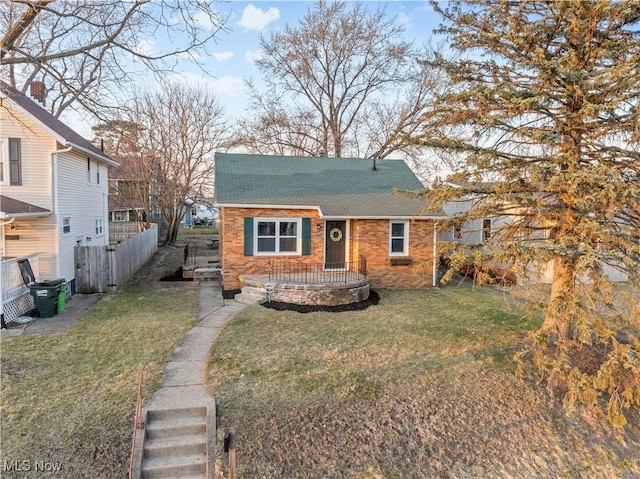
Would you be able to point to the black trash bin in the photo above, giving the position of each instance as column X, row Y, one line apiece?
column 45, row 296
column 45, row 293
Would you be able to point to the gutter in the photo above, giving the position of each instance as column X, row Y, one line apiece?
column 91, row 153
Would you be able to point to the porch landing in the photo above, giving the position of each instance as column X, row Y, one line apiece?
column 336, row 289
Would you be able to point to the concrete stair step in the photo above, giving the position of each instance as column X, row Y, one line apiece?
column 204, row 274
column 175, row 426
column 163, row 467
column 160, row 414
column 183, row 445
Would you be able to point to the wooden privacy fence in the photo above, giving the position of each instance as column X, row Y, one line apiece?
column 100, row 269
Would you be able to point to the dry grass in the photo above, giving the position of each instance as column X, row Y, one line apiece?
column 421, row 385
column 70, row 399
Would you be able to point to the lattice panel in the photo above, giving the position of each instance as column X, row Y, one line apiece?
column 18, row 307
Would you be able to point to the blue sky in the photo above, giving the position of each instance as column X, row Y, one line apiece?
column 231, row 59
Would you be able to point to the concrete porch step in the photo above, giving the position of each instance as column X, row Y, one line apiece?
column 207, row 273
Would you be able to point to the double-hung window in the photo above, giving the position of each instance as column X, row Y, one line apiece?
column 398, row 238
column 277, row 236
column 486, row 229
column 99, row 226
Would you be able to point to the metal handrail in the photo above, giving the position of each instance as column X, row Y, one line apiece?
column 318, row 273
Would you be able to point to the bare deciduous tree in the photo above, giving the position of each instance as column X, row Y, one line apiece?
column 343, row 82
column 88, row 50
column 132, row 185
column 168, row 148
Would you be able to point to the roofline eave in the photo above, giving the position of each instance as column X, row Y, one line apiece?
column 333, row 217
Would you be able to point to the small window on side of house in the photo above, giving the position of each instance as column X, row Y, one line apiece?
column 66, row 225
column 89, row 170
column 97, row 173
column 99, row 226
column 486, row 229
column 398, row 238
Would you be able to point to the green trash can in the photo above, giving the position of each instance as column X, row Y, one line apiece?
column 62, row 298
column 45, row 296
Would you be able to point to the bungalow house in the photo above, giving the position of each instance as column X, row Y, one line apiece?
column 320, row 216
column 54, row 196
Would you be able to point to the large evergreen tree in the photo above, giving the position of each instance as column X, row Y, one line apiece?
column 545, row 104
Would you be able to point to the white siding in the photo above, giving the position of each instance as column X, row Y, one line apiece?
column 77, row 198
column 84, row 202
column 36, row 149
column 36, row 236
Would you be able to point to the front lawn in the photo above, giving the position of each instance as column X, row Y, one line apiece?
column 68, row 400
column 421, row 385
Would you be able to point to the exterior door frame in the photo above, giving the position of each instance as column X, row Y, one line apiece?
column 346, row 241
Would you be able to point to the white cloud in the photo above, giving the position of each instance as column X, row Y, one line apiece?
column 252, row 55
column 223, row 87
column 404, row 20
column 228, row 86
column 222, row 56
column 146, row 47
column 205, row 21
column 254, row 18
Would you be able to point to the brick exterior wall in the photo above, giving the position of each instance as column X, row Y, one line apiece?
column 232, row 259
column 369, row 238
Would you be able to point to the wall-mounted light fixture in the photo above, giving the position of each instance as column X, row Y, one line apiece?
column 318, row 226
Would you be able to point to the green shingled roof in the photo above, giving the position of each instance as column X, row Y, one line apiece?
column 340, row 187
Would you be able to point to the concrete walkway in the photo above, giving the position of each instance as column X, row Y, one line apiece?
column 75, row 309
column 179, row 432
column 183, row 382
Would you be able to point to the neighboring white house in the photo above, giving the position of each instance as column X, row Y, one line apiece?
column 54, row 194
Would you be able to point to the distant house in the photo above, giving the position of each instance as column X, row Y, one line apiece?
column 481, row 231
column 54, row 195
column 323, row 214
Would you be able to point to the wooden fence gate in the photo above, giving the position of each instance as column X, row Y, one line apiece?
column 100, row 269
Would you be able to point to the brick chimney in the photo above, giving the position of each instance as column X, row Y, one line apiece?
column 37, row 91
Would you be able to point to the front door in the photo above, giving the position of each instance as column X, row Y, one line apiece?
column 335, row 244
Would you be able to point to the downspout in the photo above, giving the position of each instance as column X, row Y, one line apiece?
column 435, row 254
column 54, row 193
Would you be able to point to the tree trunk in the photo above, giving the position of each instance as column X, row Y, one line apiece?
column 172, row 232
column 559, row 315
